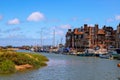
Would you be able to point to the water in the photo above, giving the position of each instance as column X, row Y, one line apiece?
column 66, row 67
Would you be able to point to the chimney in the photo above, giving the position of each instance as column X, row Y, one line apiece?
column 69, row 30
column 85, row 27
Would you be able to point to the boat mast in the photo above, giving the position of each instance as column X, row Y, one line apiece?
column 41, row 36
column 54, row 38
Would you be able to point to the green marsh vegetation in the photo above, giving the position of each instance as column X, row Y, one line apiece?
column 10, row 59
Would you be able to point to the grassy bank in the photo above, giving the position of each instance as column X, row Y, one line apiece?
column 11, row 61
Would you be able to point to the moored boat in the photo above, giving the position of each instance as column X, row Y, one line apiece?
column 106, row 56
column 118, row 50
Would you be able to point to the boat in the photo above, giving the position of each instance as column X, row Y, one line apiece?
column 113, row 52
column 89, row 52
column 105, row 56
column 102, row 51
column 118, row 50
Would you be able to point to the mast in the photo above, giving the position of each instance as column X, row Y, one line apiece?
column 41, row 36
column 54, row 38
column 61, row 40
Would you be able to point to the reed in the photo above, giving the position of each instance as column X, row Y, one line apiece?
column 8, row 60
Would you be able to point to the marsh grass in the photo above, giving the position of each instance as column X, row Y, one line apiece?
column 7, row 66
column 8, row 60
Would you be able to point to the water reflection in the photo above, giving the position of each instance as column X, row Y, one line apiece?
column 64, row 67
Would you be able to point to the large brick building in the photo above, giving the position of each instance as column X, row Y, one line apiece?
column 118, row 37
column 93, row 37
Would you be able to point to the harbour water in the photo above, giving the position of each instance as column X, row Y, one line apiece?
column 67, row 67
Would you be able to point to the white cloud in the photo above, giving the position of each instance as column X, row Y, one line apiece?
column 35, row 16
column 117, row 17
column 58, row 31
column 67, row 26
column 14, row 21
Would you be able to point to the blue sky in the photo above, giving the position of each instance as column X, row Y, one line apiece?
column 23, row 21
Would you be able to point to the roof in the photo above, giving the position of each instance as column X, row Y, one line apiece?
column 101, row 31
column 78, row 32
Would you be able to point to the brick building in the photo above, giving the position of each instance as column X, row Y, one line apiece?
column 93, row 37
column 118, row 37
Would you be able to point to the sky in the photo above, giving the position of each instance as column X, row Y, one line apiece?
column 34, row 22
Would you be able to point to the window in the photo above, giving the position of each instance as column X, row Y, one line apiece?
column 68, row 37
column 79, row 29
column 92, row 30
column 108, row 33
column 75, row 36
column 82, row 36
column 79, row 36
